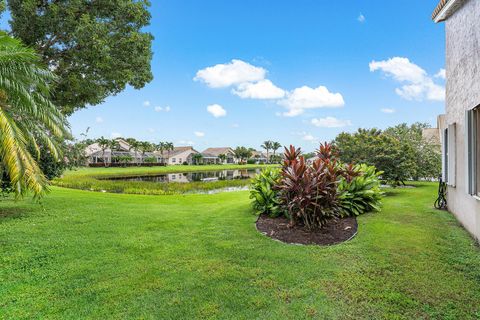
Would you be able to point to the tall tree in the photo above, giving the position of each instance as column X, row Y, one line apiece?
column 95, row 48
column 169, row 147
column 103, row 143
column 275, row 146
column 267, row 145
column 27, row 117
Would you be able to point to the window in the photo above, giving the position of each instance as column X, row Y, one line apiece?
column 180, row 160
column 174, row 159
column 472, row 138
column 445, row 156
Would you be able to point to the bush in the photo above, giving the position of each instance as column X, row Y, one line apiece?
column 359, row 190
column 309, row 193
column 251, row 161
column 264, row 194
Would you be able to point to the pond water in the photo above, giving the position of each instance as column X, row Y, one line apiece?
column 200, row 176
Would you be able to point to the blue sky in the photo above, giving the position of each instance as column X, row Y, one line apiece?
column 303, row 71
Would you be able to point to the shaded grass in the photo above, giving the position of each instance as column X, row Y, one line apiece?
column 94, row 179
column 93, row 255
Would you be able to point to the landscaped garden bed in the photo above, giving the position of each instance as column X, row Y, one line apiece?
column 336, row 231
column 317, row 202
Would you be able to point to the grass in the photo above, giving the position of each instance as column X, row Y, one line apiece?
column 93, row 179
column 117, row 256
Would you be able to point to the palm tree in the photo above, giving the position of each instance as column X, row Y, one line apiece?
column 113, row 145
column 222, row 157
column 196, row 158
column 267, row 145
column 169, row 147
column 275, row 146
column 28, row 118
column 145, row 147
column 161, row 147
column 103, row 143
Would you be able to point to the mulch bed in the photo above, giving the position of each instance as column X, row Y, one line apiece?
column 336, row 231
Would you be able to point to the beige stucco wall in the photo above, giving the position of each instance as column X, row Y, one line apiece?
column 463, row 92
column 184, row 156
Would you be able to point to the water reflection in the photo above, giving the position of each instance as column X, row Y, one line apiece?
column 204, row 176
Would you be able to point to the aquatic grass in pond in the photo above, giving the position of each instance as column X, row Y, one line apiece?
column 99, row 179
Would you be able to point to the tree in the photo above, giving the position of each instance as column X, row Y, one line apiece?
column 196, row 158
column 145, row 147
column 28, row 118
column 267, row 145
column 275, row 146
column 135, row 146
column 242, row 153
column 222, row 157
column 169, row 147
column 95, row 48
column 397, row 151
column 426, row 154
column 103, row 143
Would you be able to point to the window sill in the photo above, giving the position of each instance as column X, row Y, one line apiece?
column 476, row 197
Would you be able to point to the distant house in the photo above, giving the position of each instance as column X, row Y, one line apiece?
column 460, row 127
column 259, row 157
column 179, row 155
column 214, row 156
column 95, row 153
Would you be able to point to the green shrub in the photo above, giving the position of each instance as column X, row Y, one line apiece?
column 251, row 161
column 360, row 192
column 263, row 192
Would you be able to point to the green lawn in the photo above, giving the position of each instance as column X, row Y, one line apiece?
column 98, row 255
column 94, row 179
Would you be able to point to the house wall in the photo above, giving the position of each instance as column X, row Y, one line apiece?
column 184, row 156
column 463, row 93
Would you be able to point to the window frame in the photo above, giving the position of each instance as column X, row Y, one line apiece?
column 472, row 132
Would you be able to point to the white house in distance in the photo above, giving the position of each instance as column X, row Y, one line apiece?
column 461, row 123
column 213, row 156
column 96, row 154
column 179, row 155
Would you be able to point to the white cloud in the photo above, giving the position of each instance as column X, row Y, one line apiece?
column 216, row 110
column 146, row 103
column 162, row 109
column 309, row 137
column 199, row 134
column 99, row 120
column 115, row 135
column 442, row 74
column 310, row 98
column 419, row 86
column 330, row 122
column 263, row 89
column 361, row 18
column 186, row 142
column 388, row 110
column 228, row 74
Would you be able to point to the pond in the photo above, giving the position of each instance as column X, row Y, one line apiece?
column 200, row 176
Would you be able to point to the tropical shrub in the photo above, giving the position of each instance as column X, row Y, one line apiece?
column 264, row 193
column 308, row 194
column 359, row 190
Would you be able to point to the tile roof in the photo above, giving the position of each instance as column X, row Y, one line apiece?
column 217, row 151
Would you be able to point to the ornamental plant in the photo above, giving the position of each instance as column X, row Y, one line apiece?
column 359, row 190
column 265, row 196
column 308, row 193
